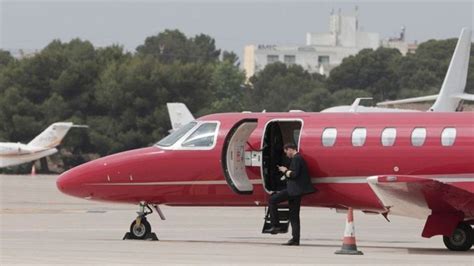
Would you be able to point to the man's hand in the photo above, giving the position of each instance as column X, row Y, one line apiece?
column 282, row 168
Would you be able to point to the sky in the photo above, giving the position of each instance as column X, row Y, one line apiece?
column 32, row 24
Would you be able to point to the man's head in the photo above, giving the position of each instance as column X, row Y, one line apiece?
column 290, row 149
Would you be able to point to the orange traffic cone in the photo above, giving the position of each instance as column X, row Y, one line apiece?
column 33, row 170
column 349, row 246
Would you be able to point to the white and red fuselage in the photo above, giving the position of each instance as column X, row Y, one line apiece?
column 413, row 164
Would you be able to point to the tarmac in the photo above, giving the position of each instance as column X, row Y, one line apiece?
column 40, row 225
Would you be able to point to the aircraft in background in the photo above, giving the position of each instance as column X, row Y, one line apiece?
column 451, row 94
column 179, row 115
column 417, row 164
column 41, row 146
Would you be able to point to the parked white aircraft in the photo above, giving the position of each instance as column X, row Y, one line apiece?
column 451, row 94
column 42, row 145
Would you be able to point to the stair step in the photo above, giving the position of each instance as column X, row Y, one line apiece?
column 283, row 217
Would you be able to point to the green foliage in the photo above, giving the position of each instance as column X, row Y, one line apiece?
column 373, row 71
column 122, row 95
column 172, row 45
column 276, row 87
column 230, row 57
column 5, row 58
column 227, row 89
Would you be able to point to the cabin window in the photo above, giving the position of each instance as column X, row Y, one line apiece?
column 329, row 137
column 358, row 136
column 176, row 135
column 418, row 136
column 448, row 136
column 389, row 135
column 203, row 136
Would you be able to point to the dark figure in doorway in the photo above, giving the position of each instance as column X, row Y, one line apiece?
column 298, row 185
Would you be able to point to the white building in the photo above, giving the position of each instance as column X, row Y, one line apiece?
column 322, row 52
column 400, row 43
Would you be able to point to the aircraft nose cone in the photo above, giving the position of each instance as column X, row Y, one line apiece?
column 63, row 183
column 69, row 183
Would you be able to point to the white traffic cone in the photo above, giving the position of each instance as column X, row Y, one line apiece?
column 349, row 246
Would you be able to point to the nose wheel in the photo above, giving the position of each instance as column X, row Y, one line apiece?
column 140, row 228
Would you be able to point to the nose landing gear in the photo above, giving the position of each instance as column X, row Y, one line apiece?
column 140, row 228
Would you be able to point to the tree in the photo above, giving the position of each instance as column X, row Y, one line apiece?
column 203, row 48
column 5, row 58
column 230, row 57
column 373, row 71
column 169, row 46
column 278, row 85
column 172, row 46
column 227, row 89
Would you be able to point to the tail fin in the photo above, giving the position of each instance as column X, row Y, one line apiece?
column 455, row 80
column 454, row 84
column 179, row 115
column 52, row 136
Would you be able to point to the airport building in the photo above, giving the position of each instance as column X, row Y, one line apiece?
column 322, row 51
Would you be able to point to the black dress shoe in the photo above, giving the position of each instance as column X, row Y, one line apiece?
column 273, row 230
column 292, row 242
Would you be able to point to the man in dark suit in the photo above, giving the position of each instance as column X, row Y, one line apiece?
column 298, row 185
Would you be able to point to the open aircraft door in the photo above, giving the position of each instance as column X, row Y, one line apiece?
column 234, row 156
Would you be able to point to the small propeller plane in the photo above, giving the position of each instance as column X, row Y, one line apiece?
column 415, row 164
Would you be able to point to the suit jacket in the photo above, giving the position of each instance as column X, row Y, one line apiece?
column 298, row 179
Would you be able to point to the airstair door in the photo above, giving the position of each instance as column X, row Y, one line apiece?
column 234, row 156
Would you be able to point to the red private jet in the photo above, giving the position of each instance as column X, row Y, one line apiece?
column 412, row 164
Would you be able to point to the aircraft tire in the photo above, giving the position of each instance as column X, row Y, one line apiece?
column 140, row 231
column 461, row 240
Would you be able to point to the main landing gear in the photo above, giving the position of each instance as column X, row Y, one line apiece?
column 140, row 227
column 462, row 238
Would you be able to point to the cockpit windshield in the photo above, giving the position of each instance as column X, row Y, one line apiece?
column 176, row 135
column 203, row 136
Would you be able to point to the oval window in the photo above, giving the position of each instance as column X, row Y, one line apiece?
column 448, row 136
column 329, row 137
column 358, row 136
column 418, row 136
column 389, row 135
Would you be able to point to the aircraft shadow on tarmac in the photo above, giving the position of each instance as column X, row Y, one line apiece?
column 414, row 251
column 439, row 251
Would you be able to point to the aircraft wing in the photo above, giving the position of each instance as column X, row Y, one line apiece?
column 410, row 100
column 419, row 197
column 465, row 96
column 462, row 96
